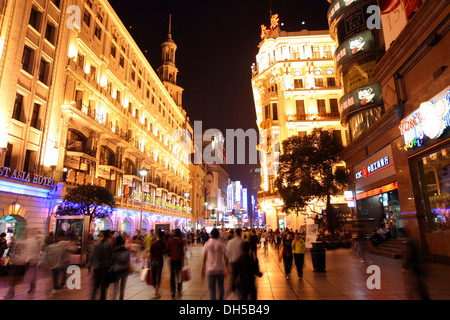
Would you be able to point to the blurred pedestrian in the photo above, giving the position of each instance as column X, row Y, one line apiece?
column 298, row 249
column 213, row 264
column 253, row 240
column 3, row 244
column 17, row 266
column 35, row 247
column 234, row 252
column 156, row 261
column 414, row 271
column 286, row 255
column 55, row 260
column 248, row 268
column 176, row 248
column 100, row 262
column 120, row 267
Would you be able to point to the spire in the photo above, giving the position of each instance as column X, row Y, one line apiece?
column 169, row 34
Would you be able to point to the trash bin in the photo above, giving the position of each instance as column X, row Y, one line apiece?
column 318, row 256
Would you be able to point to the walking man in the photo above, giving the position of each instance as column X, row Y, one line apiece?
column 213, row 264
column 176, row 247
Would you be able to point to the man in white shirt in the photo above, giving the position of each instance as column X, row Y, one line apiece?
column 234, row 252
column 213, row 264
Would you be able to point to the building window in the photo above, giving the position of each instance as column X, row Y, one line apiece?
column 334, row 107
column 87, row 18
column 8, row 156
column 56, row 3
column 44, row 71
column 80, row 61
column 298, row 83
column 300, row 106
column 113, row 51
column 98, row 32
column 50, row 33
column 275, row 111
column 29, row 163
column 318, row 82
column 122, row 61
column 321, row 107
column 133, row 75
column 18, row 108
column 93, row 73
column 35, row 19
column 331, row 82
column 266, row 112
column 35, row 123
column 337, row 137
column 27, row 59
column 316, row 52
column 327, row 52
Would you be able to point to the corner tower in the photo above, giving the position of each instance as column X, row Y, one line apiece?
column 168, row 71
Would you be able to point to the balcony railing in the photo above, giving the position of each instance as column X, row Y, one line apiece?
column 126, row 203
column 315, row 117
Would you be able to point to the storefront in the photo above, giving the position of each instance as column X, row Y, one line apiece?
column 376, row 192
column 426, row 136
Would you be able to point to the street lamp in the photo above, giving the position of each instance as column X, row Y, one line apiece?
column 186, row 195
column 142, row 172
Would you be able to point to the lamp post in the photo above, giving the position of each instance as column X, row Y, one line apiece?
column 142, row 172
column 186, row 195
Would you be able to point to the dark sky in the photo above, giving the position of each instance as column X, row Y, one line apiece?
column 217, row 44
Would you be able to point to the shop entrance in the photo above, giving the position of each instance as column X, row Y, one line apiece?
column 13, row 226
column 373, row 210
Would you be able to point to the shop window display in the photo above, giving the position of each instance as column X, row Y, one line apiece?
column 434, row 171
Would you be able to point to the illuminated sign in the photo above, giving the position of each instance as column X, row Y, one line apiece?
column 430, row 119
column 373, row 168
column 377, row 191
column 274, row 21
column 244, row 199
column 348, row 195
column 26, row 177
column 362, row 42
column 337, row 7
column 353, row 22
column 368, row 95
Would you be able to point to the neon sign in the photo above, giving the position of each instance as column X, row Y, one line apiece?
column 430, row 119
column 26, row 177
column 377, row 191
column 373, row 168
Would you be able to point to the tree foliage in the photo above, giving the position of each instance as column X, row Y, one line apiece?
column 307, row 171
column 87, row 200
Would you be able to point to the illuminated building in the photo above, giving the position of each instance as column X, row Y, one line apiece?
column 295, row 90
column 80, row 104
column 400, row 162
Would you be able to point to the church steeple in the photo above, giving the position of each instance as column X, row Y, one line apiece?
column 168, row 71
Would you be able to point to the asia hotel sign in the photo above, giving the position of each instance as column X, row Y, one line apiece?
column 429, row 120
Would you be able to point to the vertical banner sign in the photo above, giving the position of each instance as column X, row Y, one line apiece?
column 311, row 235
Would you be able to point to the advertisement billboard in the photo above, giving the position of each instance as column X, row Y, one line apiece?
column 395, row 15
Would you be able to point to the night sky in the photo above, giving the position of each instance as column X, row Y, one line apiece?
column 217, row 44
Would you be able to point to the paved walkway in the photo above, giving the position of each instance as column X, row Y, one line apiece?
column 345, row 279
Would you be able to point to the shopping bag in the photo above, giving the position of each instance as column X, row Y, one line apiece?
column 144, row 273
column 185, row 275
column 149, row 277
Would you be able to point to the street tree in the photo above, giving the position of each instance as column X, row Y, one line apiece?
column 87, row 200
column 310, row 168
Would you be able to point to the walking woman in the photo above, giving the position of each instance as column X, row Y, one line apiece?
column 285, row 253
column 156, row 260
column 121, row 261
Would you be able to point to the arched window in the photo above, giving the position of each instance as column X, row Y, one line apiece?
column 129, row 167
column 76, row 141
column 107, row 156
